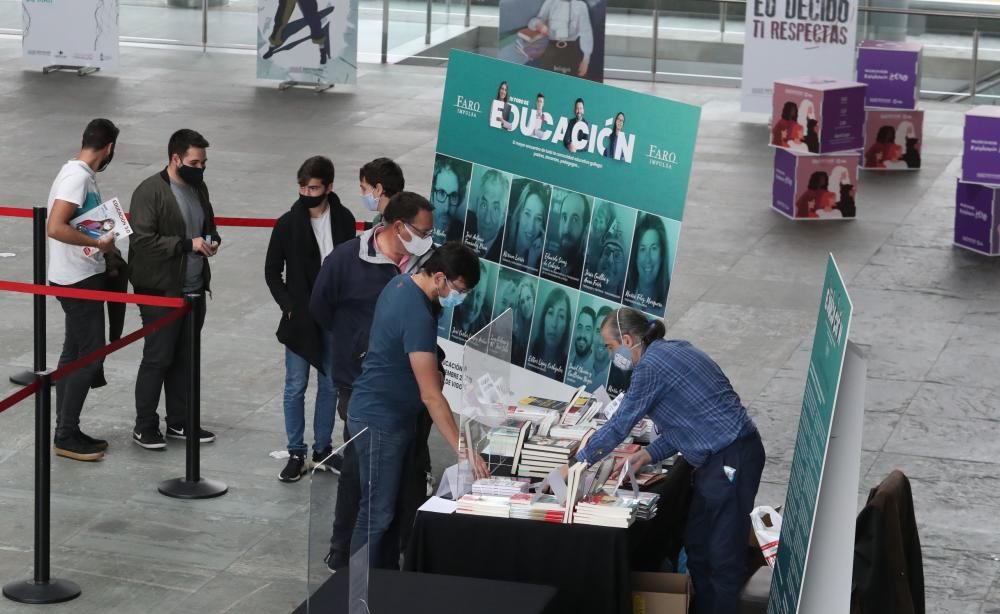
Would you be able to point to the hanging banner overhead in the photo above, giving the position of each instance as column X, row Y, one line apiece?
column 310, row 41
column 565, row 36
column 70, row 32
column 795, row 38
column 572, row 193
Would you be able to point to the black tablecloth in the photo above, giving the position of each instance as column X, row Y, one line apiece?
column 589, row 565
column 397, row 592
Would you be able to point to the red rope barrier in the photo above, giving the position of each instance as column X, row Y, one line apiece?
column 114, row 346
column 244, row 222
column 15, row 212
column 18, row 396
column 92, row 295
column 96, row 355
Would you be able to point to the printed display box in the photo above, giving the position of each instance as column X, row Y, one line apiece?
column 977, row 218
column 981, row 152
column 893, row 139
column 891, row 70
column 811, row 187
column 818, row 115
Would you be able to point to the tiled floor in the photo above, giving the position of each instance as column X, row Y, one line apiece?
column 745, row 289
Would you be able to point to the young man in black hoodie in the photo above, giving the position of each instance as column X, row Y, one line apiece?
column 301, row 240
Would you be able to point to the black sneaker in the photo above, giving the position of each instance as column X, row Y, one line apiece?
column 100, row 444
column 323, row 461
column 76, row 448
column 151, row 439
column 294, row 469
column 177, row 432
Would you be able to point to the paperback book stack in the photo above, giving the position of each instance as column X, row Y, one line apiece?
column 484, row 505
column 607, row 511
column 537, row 507
column 540, row 455
column 646, row 503
column 499, row 486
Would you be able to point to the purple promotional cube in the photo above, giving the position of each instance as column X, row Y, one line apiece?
column 981, row 152
column 893, row 139
column 818, row 115
column 977, row 218
column 815, row 187
column 891, row 70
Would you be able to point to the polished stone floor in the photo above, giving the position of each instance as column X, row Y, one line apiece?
column 746, row 289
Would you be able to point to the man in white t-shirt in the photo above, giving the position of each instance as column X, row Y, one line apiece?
column 77, row 260
column 301, row 240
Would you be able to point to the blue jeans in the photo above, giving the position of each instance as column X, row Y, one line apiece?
column 296, row 381
column 382, row 455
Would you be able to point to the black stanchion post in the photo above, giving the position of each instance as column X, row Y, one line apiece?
column 42, row 589
column 192, row 486
column 39, row 236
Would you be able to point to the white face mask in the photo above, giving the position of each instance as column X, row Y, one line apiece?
column 416, row 246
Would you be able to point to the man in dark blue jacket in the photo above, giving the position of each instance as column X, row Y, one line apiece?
column 301, row 239
column 343, row 302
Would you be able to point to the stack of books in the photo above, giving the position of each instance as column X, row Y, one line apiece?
column 645, row 505
column 484, row 505
column 500, row 486
column 604, row 510
column 537, row 507
column 540, row 455
column 503, row 440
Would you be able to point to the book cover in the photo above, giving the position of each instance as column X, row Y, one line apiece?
column 107, row 218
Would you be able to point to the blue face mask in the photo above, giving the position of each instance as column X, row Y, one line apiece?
column 370, row 201
column 454, row 298
column 622, row 358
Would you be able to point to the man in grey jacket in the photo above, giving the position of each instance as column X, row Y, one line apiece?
column 174, row 235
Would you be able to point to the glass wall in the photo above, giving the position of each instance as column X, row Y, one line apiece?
column 695, row 41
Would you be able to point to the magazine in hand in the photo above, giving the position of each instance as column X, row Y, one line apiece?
column 107, row 218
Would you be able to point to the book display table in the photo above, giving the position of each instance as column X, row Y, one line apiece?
column 589, row 566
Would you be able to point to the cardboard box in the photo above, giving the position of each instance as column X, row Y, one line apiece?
column 977, row 218
column 981, row 152
column 660, row 593
column 893, row 140
column 809, row 187
column 891, row 70
column 817, row 115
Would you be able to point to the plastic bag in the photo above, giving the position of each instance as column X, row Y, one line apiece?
column 767, row 528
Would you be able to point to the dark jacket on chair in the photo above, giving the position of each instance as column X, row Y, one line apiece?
column 290, row 269
column 888, row 568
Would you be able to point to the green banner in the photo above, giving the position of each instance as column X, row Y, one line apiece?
column 812, row 442
column 572, row 193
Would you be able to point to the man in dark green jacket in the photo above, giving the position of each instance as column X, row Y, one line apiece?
column 174, row 236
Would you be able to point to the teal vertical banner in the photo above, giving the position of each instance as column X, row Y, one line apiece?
column 574, row 189
column 812, row 442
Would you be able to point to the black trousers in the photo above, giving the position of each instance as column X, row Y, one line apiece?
column 165, row 364
column 413, row 489
column 565, row 60
column 84, row 334
column 719, row 524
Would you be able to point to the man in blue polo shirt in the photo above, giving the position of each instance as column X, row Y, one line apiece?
column 399, row 379
column 697, row 412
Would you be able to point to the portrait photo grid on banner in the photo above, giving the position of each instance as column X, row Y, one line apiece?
column 525, row 189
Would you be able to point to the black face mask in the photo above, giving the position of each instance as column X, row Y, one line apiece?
column 311, row 202
column 191, row 175
column 107, row 161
